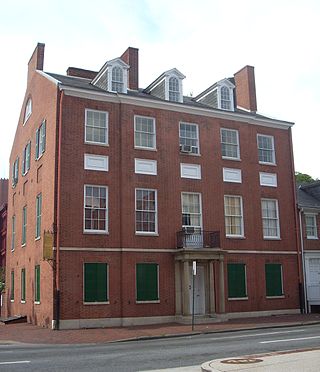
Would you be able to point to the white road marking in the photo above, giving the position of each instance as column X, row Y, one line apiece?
column 257, row 334
column 290, row 339
column 16, row 362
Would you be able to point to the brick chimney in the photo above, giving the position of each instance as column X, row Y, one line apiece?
column 246, row 89
column 80, row 72
column 36, row 60
column 131, row 57
column 3, row 191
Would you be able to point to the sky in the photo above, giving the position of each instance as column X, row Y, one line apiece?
column 207, row 40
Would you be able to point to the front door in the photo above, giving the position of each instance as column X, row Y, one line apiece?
column 199, row 291
column 313, row 280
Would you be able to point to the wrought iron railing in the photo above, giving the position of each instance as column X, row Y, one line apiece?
column 198, row 239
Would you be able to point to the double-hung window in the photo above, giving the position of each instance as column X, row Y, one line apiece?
column 28, row 111
column 95, row 288
column 270, row 219
column 230, row 143
column 13, row 233
column 15, row 172
column 41, row 140
column 311, row 226
column 24, row 225
column 191, row 210
column 117, row 79
column 266, row 149
column 147, row 282
column 144, row 132
column 237, row 282
column 233, row 215
column 146, row 211
column 274, row 280
column 38, row 215
column 96, row 127
column 189, row 138
column 26, row 158
column 37, row 284
column 174, row 91
column 225, row 98
column 95, row 209
column 23, row 285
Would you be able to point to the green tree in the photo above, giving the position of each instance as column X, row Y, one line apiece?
column 304, row 178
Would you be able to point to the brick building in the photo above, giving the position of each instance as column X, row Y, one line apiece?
column 3, row 233
column 116, row 191
column 309, row 219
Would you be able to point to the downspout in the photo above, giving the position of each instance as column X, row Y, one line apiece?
column 303, row 263
column 296, row 224
column 58, row 201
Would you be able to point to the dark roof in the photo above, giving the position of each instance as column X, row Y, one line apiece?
column 82, row 83
column 308, row 195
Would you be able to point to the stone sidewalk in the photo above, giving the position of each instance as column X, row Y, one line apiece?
column 27, row 333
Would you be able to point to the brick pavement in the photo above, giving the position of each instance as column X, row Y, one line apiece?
column 27, row 333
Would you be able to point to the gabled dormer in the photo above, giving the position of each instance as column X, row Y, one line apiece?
column 219, row 95
column 113, row 76
column 168, row 86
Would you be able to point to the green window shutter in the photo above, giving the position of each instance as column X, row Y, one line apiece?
column 236, row 280
column 147, row 282
column 23, row 284
column 12, row 286
column 95, row 282
column 37, row 283
column 23, row 161
column 24, row 224
column 273, row 280
column 38, row 215
column 37, row 144
column 27, row 166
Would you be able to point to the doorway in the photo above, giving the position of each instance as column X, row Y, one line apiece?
column 199, row 291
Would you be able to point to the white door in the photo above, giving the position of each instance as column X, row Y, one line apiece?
column 313, row 282
column 199, row 291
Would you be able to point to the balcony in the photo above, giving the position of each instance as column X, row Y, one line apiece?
column 198, row 239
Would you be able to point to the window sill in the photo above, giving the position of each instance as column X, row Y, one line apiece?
column 11, row 300
column 146, row 234
column 241, row 237
column 97, row 303
column 271, row 238
column 228, row 158
column 238, row 298
column 148, row 302
column 266, row 163
column 95, row 232
column 40, row 156
column 312, row 238
column 189, row 154
column 23, row 302
column 23, row 245
column 274, row 297
column 96, row 143
column 145, row 148
column 37, row 302
column 37, row 238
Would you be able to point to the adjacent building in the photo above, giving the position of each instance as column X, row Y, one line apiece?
column 309, row 214
column 117, row 193
column 3, row 234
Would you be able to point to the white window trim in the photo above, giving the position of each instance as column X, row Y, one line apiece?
column 231, row 97
column 158, row 281
column 83, row 289
column 225, row 172
column 27, row 111
column 149, row 233
column 125, row 77
column 200, row 202
column 270, row 175
column 150, row 161
column 167, row 78
column 102, row 232
column 314, row 216
column 242, row 217
column 154, row 130
column 196, row 167
column 107, row 128
column 278, row 221
column 105, row 158
column 273, row 149
column 198, row 137
column 238, row 144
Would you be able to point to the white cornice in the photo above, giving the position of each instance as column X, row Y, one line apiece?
column 260, row 252
column 89, row 249
column 53, row 80
column 177, row 107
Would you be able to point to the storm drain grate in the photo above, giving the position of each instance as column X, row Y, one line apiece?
column 241, row 361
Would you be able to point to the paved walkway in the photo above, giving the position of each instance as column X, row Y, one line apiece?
column 27, row 333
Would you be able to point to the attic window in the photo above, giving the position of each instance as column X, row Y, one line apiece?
column 117, row 79
column 225, row 98
column 28, row 111
column 174, row 93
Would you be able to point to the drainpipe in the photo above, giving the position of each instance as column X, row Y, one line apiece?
column 58, row 203
column 303, row 263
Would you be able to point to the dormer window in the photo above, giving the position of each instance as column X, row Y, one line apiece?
column 174, row 92
column 117, row 79
column 28, row 111
column 219, row 95
column 167, row 86
column 113, row 76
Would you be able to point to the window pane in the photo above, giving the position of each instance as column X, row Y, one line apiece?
column 145, row 210
column 96, row 127
column 144, row 132
column 191, row 210
column 95, row 208
column 233, row 215
column 229, row 143
column 189, row 137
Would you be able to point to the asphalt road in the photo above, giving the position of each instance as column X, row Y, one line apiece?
column 154, row 354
